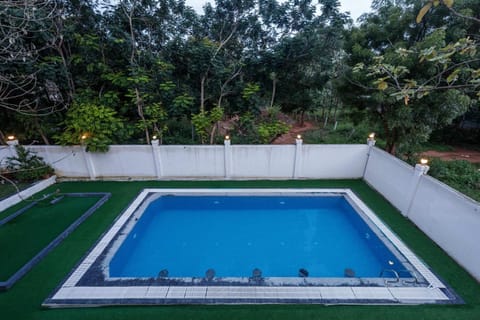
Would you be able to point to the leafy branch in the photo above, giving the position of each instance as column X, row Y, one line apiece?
column 455, row 63
column 446, row 3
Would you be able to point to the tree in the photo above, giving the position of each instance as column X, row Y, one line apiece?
column 451, row 66
column 221, row 58
column 409, row 78
column 137, row 72
column 304, row 60
column 30, row 33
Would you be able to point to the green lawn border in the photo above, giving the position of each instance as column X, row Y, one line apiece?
column 5, row 285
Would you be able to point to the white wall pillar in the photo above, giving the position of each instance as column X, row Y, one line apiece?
column 420, row 171
column 228, row 157
column 89, row 162
column 297, row 165
column 12, row 143
column 157, row 160
column 370, row 143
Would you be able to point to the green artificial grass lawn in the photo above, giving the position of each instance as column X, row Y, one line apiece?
column 23, row 237
column 23, row 301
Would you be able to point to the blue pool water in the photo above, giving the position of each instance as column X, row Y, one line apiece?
column 187, row 235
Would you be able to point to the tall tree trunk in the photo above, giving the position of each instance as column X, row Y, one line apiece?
column 62, row 51
column 390, row 136
column 212, row 132
column 40, row 131
column 222, row 42
column 391, row 145
column 274, row 89
column 139, row 103
column 202, row 93
column 223, row 87
column 336, row 109
column 302, row 118
column 133, row 65
column 3, row 139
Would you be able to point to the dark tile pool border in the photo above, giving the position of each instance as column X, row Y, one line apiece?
column 72, row 292
column 5, row 285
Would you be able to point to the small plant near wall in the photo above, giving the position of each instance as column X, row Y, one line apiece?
column 26, row 166
column 268, row 131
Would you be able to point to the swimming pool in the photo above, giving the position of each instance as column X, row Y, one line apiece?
column 249, row 246
column 184, row 236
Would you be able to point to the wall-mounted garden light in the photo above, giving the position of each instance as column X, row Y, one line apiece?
column 226, row 140
column 83, row 138
column 154, row 141
column 12, row 141
column 422, row 167
column 371, row 139
column 299, row 139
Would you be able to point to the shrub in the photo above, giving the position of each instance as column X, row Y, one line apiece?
column 459, row 174
column 90, row 124
column 27, row 166
column 204, row 123
column 270, row 130
column 346, row 133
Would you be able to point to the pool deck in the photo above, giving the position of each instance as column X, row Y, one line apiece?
column 72, row 293
column 145, row 295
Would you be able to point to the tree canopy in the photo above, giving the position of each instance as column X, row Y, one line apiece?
column 156, row 67
column 412, row 78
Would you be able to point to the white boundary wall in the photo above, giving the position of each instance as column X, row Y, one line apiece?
column 451, row 220
column 448, row 217
column 212, row 162
column 391, row 177
column 5, row 152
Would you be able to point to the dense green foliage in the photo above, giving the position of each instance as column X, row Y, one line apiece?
column 412, row 77
column 459, row 174
column 161, row 68
column 94, row 126
column 158, row 65
column 269, row 127
column 205, row 122
column 345, row 133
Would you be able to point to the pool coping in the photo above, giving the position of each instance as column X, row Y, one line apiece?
column 71, row 293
